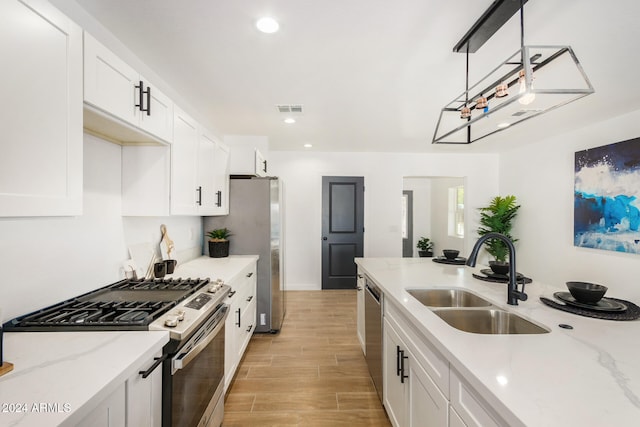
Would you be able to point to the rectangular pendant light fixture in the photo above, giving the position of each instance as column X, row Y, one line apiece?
column 551, row 77
column 532, row 81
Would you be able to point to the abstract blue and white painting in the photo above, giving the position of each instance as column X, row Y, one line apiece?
column 606, row 191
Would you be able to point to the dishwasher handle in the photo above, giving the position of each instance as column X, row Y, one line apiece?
column 373, row 291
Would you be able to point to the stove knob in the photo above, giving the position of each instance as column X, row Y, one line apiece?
column 171, row 322
column 180, row 315
column 213, row 289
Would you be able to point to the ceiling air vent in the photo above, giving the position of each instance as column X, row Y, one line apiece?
column 289, row 108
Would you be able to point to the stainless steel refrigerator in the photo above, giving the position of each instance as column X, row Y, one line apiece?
column 255, row 221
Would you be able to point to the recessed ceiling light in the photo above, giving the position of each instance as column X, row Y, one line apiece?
column 289, row 120
column 503, row 125
column 267, row 25
column 307, row 145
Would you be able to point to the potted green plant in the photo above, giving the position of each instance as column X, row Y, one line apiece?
column 425, row 247
column 498, row 217
column 219, row 242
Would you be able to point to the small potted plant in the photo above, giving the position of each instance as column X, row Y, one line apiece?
column 219, row 242
column 425, row 247
column 498, row 218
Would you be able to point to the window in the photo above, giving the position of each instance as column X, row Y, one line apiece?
column 456, row 211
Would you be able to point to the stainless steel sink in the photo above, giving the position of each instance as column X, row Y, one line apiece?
column 454, row 297
column 489, row 321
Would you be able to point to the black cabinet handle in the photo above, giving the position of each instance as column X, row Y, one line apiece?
column 264, row 162
column 402, row 375
column 140, row 87
column 148, row 92
column 158, row 361
column 250, row 298
column 219, row 196
column 199, row 191
column 398, row 361
column 238, row 322
column 232, row 293
column 249, row 328
column 141, row 93
column 250, row 274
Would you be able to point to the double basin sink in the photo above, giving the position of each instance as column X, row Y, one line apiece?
column 469, row 312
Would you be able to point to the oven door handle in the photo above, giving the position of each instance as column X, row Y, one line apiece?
column 158, row 361
column 183, row 359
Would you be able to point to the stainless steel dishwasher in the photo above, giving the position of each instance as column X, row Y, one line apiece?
column 373, row 332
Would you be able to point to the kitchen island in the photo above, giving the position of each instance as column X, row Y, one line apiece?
column 585, row 376
column 61, row 378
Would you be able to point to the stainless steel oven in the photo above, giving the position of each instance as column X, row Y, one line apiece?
column 194, row 377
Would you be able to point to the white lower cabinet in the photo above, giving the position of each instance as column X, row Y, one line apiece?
column 410, row 395
column 470, row 406
column 454, row 419
column 144, row 396
column 420, row 387
column 136, row 402
column 110, row 412
column 241, row 321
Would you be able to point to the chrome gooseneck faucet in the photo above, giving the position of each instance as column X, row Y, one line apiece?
column 513, row 295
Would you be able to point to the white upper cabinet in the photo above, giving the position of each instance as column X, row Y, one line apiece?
column 189, row 177
column 248, row 155
column 261, row 167
column 41, row 161
column 111, row 86
column 207, row 196
column 221, row 179
column 213, row 176
column 185, row 192
column 199, row 170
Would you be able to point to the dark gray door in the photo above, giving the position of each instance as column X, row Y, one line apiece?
column 342, row 230
column 407, row 224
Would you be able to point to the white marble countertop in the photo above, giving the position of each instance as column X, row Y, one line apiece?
column 586, row 376
column 226, row 268
column 71, row 372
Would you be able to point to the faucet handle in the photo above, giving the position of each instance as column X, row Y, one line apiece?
column 520, row 294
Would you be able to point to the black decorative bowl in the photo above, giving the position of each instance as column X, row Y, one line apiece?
column 499, row 267
column 586, row 293
column 450, row 253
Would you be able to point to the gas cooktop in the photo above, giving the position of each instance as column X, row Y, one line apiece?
column 130, row 304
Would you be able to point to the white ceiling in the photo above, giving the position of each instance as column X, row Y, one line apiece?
column 372, row 75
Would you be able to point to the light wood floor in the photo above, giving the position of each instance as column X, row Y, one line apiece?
column 312, row 373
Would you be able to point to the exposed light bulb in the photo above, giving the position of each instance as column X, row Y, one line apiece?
column 502, row 90
column 528, row 97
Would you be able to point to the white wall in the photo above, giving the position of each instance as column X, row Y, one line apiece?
column 383, row 179
column 46, row 260
column 421, row 188
column 541, row 175
column 440, row 216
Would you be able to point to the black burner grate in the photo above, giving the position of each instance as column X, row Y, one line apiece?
column 131, row 304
